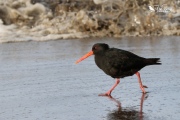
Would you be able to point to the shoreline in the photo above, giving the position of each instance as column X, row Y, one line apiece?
column 69, row 36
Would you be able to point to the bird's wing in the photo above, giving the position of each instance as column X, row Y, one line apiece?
column 121, row 59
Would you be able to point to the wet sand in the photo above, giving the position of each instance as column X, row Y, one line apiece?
column 40, row 81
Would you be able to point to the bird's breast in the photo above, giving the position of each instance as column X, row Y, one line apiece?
column 104, row 65
column 99, row 61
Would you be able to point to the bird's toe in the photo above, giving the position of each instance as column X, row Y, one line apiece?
column 105, row 94
column 145, row 86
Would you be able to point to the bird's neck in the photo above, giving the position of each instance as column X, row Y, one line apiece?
column 99, row 53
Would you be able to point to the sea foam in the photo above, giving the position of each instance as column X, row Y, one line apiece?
column 41, row 20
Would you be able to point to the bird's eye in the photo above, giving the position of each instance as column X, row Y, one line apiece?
column 96, row 47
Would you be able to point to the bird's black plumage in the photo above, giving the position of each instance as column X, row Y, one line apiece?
column 119, row 63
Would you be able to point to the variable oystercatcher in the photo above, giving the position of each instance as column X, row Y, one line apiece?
column 119, row 63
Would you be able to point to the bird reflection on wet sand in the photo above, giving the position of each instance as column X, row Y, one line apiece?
column 127, row 113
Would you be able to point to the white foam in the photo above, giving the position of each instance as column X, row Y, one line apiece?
column 36, row 22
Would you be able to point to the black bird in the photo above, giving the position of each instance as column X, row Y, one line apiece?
column 119, row 63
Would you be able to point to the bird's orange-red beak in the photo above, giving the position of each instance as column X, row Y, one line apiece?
column 85, row 56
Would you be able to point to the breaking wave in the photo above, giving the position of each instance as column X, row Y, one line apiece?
column 41, row 20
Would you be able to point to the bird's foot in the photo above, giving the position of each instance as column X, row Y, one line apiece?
column 142, row 88
column 105, row 94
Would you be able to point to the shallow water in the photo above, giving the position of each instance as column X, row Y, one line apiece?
column 39, row 81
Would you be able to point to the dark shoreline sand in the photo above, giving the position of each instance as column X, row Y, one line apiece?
column 39, row 81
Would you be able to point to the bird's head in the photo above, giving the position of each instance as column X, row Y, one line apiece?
column 96, row 49
column 99, row 47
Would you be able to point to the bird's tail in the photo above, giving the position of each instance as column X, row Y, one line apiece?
column 153, row 61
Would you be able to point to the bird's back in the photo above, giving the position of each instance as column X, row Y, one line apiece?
column 119, row 63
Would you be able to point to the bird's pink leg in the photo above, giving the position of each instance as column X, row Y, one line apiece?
column 108, row 93
column 140, row 83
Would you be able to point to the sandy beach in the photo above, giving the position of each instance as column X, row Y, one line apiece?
column 40, row 81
